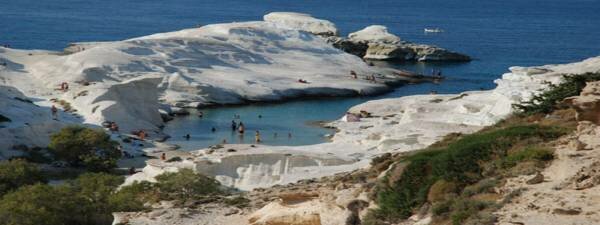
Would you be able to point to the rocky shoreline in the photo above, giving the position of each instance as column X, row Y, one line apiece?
column 130, row 81
column 389, row 47
column 373, row 42
column 340, row 197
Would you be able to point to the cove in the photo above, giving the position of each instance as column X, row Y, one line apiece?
column 301, row 117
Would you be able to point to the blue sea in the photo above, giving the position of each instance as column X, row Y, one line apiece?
column 497, row 34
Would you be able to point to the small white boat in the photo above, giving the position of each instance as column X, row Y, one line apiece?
column 433, row 30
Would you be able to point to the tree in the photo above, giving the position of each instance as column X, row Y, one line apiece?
column 186, row 184
column 41, row 204
column 81, row 146
column 17, row 173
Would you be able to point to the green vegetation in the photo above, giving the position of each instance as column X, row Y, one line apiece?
column 93, row 197
column 186, row 184
column 238, row 201
column 17, row 173
column 131, row 198
column 454, row 176
column 41, row 204
column 82, row 201
column 527, row 154
column 549, row 100
column 80, row 146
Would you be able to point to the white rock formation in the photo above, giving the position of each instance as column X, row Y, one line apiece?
column 376, row 43
column 374, row 33
column 303, row 22
column 132, row 104
column 28, row 123
column 214, row 64
column 397, row 125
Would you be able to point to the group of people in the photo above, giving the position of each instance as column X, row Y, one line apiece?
column 370, row 78
column 240, row 129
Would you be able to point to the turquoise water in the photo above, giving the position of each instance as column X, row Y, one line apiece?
column 295, row 117
column 498, row 34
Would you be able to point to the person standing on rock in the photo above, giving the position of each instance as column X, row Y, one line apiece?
column 54, row 111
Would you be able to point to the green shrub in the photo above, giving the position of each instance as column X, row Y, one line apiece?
column 459, row 162
column 131, row 198
column 87, row 147
column 237, row 201
column 464, row 209
column 483, row 186
column 17, row 173
column 96, row 188
column 440, row 189
column 549, row 100
column 90, row 199
column 527, row 154
column 185, row 184
column 42, row 204
column 440, row 208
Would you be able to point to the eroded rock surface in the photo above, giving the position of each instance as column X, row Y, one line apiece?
column 587, row 104
column 571, row 190
column 376, row 43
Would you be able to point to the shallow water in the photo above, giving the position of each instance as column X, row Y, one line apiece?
column 498, row 34
column 297, row 117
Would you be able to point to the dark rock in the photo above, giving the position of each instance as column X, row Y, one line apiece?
column 538, row 178
column 571, row 211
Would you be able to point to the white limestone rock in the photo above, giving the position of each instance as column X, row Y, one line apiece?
column 303, row 22
column 374, row 33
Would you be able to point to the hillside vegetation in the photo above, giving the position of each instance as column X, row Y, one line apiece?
column 455, row 178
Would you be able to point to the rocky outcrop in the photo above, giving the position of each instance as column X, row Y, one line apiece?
column 118, row 102
column 304, row 22
column 571, row 187
column 376, row 43
column 587, row 104
column 26, row 123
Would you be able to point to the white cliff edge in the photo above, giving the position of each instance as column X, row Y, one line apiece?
column 396, row 125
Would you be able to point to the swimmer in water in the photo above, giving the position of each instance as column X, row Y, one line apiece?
column 257, row 137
